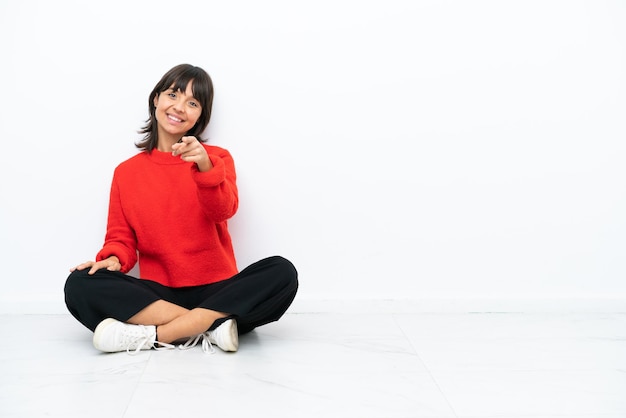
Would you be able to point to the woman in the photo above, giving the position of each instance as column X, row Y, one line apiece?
column 168, row 209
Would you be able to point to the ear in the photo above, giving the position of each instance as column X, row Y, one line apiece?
column 155, row 101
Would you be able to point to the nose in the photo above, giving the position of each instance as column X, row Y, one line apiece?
column 179, row 105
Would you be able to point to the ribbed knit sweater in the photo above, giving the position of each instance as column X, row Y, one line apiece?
column 171, row 217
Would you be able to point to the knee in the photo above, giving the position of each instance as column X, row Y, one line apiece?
column 75, row 281
column 71, row 281
column 288, row 272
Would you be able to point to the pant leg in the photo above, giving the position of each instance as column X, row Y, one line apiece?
column 108, row 294
column 259, row 294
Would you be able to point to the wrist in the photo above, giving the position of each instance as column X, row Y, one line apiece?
column 205, row 166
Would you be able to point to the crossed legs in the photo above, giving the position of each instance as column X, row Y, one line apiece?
column 257, row 295
column 174, row 322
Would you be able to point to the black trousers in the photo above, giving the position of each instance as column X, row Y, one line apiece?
column 259, row 294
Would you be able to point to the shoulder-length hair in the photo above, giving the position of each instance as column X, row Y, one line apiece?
column 177, row 79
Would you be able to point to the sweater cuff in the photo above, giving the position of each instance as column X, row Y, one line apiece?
column 213, row 177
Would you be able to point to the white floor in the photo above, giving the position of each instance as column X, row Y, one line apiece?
column 330, row 365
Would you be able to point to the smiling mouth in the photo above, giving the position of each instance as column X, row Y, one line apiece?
column 174, row 118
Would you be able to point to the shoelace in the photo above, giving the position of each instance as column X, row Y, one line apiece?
column 207, row 347
column 136, row 336
column 141, row 341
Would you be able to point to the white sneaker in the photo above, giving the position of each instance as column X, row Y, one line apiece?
column 112, row 336
column 225, row 336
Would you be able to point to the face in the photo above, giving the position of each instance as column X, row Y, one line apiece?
column 176, row 113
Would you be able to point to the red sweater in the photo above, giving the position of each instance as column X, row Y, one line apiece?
column 173, row 218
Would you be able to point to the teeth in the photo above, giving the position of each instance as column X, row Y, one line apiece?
column 174, row 118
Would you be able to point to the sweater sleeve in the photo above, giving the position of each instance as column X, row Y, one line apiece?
column 217, row 188
column 120, row 239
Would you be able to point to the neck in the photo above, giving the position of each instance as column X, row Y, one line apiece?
column 166, row 141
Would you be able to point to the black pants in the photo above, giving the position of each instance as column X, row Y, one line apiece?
column 259, row 294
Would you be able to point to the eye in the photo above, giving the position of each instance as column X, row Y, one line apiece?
column 194, row 104
column 172, row 95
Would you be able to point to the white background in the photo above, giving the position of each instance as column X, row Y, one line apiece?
column 440, row 153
